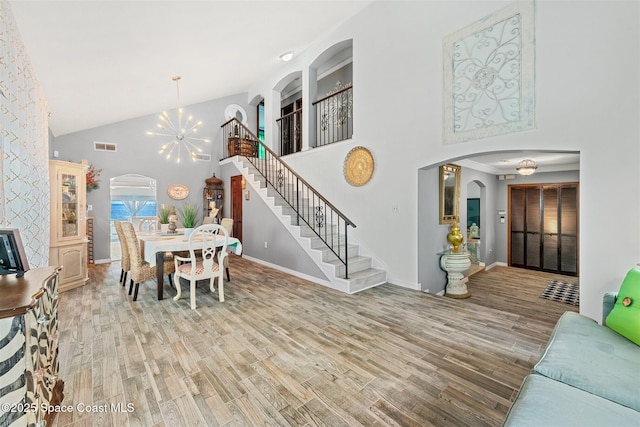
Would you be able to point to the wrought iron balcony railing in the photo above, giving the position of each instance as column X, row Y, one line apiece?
column 290, row 132
column 334, row 116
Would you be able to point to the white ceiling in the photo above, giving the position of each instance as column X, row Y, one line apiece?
column 505, row 163
column 101, row 62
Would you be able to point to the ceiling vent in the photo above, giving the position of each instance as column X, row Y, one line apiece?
column 105, row 146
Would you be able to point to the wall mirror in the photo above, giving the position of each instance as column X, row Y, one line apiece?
column 449, row 193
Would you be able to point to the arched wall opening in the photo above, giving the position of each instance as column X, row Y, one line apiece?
column 486, row 171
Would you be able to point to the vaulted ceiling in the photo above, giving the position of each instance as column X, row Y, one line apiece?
column 101, row 62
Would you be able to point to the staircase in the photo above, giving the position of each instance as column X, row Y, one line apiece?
column 356, row 274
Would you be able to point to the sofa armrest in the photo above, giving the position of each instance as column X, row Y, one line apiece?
column 608, row 301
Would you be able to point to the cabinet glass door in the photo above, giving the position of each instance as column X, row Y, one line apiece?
column 70, row 210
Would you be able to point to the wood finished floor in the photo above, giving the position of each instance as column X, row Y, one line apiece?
column 281, row 351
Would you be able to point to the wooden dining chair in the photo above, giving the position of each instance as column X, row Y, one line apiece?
column 141, row 270
column 125, row 262
column 201, row 262
column 227, row 223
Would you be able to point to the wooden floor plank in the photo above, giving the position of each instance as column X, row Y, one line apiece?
column 284, row 351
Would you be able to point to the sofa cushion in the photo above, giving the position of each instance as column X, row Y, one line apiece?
column 545, row 402
column 593, row 358
column 625, row 316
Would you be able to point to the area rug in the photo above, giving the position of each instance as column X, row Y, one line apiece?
column 568, row 293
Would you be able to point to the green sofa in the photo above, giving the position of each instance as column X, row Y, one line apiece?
column 589, row 375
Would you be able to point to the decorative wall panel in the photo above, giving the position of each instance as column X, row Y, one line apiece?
column 24, row 151
column 489, row 76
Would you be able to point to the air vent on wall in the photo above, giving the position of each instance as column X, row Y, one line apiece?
column 203, row 157
column 104, row 146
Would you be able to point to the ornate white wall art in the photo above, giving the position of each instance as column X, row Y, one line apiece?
column 489, row 75
column 24, row 150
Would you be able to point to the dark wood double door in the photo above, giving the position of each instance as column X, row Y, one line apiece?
column 543, row 227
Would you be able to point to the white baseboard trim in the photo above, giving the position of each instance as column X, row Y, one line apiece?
column 497, row 264
column 404, row 284
column 103, row 261
column 298, row 274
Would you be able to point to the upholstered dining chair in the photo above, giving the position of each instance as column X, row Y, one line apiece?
column 125, row 262
column 227, row 223
column 201, row 263
column 141, row 270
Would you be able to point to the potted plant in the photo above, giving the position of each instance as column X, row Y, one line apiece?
column 189, row 215
column 163, row 217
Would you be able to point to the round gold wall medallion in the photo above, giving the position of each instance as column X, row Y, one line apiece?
column 358, row 166
column 178, row 191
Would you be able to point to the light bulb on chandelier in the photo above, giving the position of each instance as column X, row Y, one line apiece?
column 181, row 134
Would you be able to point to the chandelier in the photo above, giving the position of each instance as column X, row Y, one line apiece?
column 527, row 167
column 181, row 133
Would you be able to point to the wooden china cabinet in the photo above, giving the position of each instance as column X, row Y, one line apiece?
column 68, row 245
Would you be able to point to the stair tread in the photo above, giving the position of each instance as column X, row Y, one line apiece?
column 356, row 258
column 369, row 272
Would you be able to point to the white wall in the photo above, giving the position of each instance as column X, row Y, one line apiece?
column 24, row 139
column 586, row 100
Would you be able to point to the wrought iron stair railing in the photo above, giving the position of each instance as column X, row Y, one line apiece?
column 310, row 207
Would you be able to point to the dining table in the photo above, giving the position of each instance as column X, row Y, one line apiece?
column 155, row 245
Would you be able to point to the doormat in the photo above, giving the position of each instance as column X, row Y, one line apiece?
column 568, row 293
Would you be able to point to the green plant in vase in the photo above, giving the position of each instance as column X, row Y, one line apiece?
column 163, row 217
column 189, row 215
column 163, row 214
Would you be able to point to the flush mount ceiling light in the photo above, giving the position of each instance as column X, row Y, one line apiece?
column 287, row 56
column 181, row 134
column 526, row 167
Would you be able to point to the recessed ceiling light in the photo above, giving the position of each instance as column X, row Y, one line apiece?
column 287, row 56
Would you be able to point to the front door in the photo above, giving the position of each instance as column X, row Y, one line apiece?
column 544, row 227
column 236, row 206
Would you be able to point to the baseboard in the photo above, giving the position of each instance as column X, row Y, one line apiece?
column 403, row 284
column 496, row 264
column 103, row 261
column 295, row 273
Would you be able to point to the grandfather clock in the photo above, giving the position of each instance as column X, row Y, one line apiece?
column 213, row 198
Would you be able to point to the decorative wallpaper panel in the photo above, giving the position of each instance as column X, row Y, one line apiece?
column 489, row 76
column 24, row 150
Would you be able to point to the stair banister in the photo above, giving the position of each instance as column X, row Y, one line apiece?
column 269, row 171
